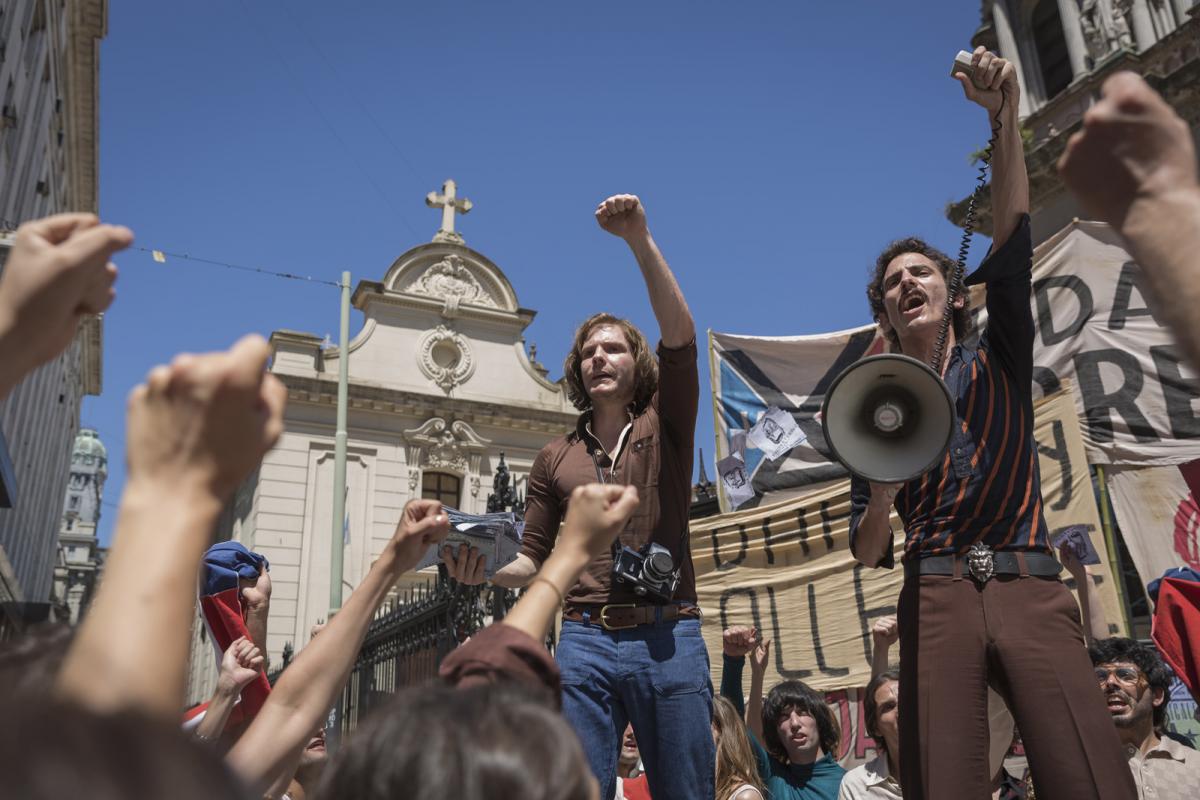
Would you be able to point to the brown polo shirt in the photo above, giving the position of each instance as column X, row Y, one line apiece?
column 656, row 457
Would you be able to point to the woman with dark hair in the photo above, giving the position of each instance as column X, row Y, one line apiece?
column 795, row 732
column 737, row 773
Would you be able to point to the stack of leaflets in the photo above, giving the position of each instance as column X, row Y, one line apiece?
column 496, row 536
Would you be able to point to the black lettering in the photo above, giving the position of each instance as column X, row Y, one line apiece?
column 767, row 551
column 783, row 671
column 729, row 594
column 826, row 526
column 1047, row 379
column 742, row 547
column 1041, row 294
column 815, row 629
column 1059, row 453
column 866, row 615
column 1122, row 400
column 1130, row 278
column 1179, row 393
column 802, row 530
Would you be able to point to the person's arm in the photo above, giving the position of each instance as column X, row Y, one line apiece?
column 871, row 538
column 1095, row 626
column 256, row 597
column 541, row 529
column 737, row 641
column 758, row 669
column 996, row 89
column 623, row 215
column 884, row 633
column 595, row 517
column 307, row 688
column 1133, row 165
column 56, row 273
column 193, row 432
column 240, row 664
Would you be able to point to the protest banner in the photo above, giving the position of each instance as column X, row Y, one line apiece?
column 786, row 568
column 1158, row 517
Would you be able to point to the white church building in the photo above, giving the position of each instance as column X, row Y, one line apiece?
column 440, row 385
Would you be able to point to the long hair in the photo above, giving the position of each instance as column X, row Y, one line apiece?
column 491, row 742
column 913, row 244
column 871, row 708
column 735, row 758
column 644, row 364
column 798, row 696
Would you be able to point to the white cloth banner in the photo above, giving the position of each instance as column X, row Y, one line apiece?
column 1137, row 403
column 1158, row 516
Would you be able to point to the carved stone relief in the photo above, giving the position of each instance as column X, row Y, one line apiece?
column 452, row 280
column 445, row 357
column 451, row 447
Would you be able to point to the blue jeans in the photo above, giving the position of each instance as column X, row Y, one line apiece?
column 655, row 676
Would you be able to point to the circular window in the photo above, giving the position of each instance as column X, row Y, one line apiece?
column 446, row 354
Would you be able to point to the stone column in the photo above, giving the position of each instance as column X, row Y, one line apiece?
column 1181, row 10
column 1009, row 50
column 1142, row 24
column 1068, row 15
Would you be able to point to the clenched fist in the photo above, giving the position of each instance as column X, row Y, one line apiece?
column 994, row 82
column 622, row 215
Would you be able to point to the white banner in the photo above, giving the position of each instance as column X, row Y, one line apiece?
column 1158, row 516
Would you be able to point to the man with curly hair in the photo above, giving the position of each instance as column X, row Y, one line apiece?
column 624, row 658
column 981, row 604
column 1137, row 685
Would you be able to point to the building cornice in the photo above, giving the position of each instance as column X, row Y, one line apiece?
column 323, row 392
column 87, row 24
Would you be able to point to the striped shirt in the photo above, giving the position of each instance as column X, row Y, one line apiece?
column 987, row 487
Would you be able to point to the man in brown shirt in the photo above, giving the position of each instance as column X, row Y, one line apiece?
column 624, row 657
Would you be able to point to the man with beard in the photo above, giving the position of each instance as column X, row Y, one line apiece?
column 1136, row 685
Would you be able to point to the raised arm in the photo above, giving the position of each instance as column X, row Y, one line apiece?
column 995, row 87
column 884, row 633
column 1133, row 165
column 240, row 664
column 1095, row 625
column 871, row 537
column 306, row 690
column 759, row 659
column 623, row 215
column 195, row 429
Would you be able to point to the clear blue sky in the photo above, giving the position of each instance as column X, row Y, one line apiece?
column 777, row 146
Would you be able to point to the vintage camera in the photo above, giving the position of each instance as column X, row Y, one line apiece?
column 650, row 572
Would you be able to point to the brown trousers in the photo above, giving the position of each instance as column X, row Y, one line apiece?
column 1022, row 636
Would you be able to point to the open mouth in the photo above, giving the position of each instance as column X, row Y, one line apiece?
column 912, row 303
column 1117, row 704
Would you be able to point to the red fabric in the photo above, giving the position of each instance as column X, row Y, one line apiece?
column 1176, row 629
column 636, row 788
column 1191, row 476
column 223, row 616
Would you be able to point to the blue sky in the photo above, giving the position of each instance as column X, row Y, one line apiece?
column 777, row 146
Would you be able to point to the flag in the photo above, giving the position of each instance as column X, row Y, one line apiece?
column 221, row 606
column 159, row 256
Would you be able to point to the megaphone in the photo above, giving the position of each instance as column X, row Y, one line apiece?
column 888, row 418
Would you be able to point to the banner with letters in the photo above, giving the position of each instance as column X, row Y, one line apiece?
column 1137, row 403
column 786, row 567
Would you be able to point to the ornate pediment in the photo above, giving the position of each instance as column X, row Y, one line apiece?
column 452, row 446
column 453, row 281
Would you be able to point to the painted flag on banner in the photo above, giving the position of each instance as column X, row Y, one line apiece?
column 751, row 375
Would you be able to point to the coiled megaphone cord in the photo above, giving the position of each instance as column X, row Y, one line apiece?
column 954, row 284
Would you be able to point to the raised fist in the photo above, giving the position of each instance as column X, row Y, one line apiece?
column 240, row 664
column 622, row 215
column 738, row 640
column 596, row 514
column 994, row 81
column 885, row 631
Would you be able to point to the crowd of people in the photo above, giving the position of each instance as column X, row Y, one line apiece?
column 990, row 640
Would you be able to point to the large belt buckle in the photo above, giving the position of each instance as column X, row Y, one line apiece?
column 981, row 561
column 604, row 616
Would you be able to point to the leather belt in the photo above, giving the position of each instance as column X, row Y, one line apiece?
column 981, row 563
column 620, row 616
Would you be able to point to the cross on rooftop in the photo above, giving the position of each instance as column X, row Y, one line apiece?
column 450, row 204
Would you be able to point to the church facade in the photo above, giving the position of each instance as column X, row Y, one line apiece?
column 440, row 386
